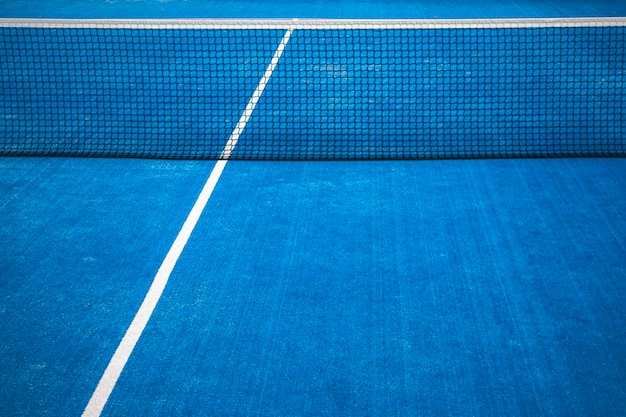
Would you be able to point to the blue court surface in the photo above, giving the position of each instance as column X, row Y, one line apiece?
column 446, row 287
column 337, row 9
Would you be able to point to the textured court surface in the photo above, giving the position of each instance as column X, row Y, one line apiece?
column 441, row 287
column 342, row 9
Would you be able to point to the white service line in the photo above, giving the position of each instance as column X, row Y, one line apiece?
column 116, row 365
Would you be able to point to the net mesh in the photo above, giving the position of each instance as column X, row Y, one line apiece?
column 336, row 90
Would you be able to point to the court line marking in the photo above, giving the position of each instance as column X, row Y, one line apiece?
column 312, row 23
column 117, row 363
column 247, row 113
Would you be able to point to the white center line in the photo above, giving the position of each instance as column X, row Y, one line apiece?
column 116, row 365
column 243, row 120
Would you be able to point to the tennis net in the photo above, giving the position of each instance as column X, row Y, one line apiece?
column 311, row 89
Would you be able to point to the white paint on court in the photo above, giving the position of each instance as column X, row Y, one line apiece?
column 117, row 363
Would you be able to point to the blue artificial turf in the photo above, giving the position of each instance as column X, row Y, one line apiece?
column 468, row 287
column 342, row 9
column 80, row 241
column 486, row 287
